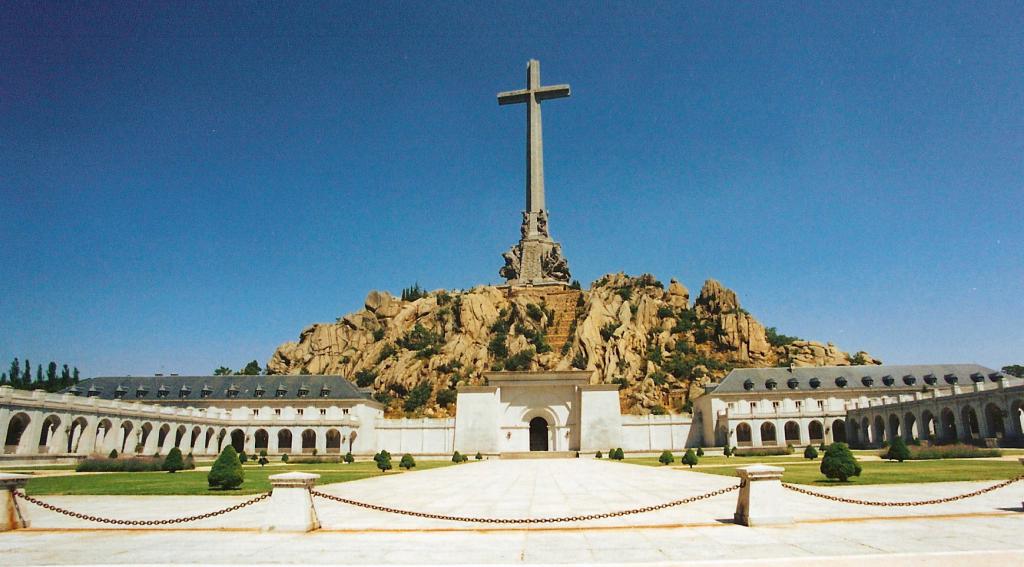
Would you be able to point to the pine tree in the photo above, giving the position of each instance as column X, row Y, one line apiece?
column 27, row 375
column 39, row 378
column 839, row 462
column 226, row 472
column 51, row 372
column 3, row 378
column 74, row 375
column 65, row 375
column 173, row 462
column 15, row 373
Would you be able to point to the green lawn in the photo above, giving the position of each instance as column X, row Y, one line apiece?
column 886, row 472
column 718, row 460
column 193, row 482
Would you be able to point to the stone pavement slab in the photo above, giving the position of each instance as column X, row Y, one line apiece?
column 700, row 531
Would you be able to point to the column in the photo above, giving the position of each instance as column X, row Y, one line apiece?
column 805, row 430
column 151, row 441
column 321, row 440
column 29, row 443
column 297, row 441
column 169, row 440
column 755, row 433
column 272, row 440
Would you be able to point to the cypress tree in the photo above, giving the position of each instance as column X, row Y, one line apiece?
column 65, row 374
column 226, row 472
column 39, row 375
column 74, row 375
column 27, row 374
column 51, row 371
column 3, row 378
column 15, row 373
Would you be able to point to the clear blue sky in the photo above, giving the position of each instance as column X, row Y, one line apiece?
column 189, row 187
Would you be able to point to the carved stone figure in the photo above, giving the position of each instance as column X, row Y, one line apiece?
column 542, row 222
column 510, row 270
column 524, row 228
column 554, row 266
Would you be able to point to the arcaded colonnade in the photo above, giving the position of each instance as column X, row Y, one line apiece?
column 980, row 412
column 34, row 423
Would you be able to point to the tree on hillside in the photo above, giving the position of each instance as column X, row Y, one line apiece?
column 251, row 369
column 1014, row 370
column 419, row 396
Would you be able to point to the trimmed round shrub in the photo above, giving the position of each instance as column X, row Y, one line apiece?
column 173, row 462
column 898, row 451
column 407, row 462
column 284, row 458
column 113, row 454
column 666, row 458
column 690, row 458
column 727, row 450
column 457, row 457
column 619, row 455
column 383, row 460
column 810, row 452
column 243, row 458
column 598, row 455
column 226, row 472
column 839, row 463
column 349, row 458
column 700, row 451
column 478, row 456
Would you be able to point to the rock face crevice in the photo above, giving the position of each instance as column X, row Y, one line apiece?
column 632, row 331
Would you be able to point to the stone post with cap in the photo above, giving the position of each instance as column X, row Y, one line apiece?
column 761, row 499
column 11, row 516
column 291, row 504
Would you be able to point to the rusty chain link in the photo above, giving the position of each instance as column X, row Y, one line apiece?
column 117, row 522
column 1005, row 483
column 583, row 518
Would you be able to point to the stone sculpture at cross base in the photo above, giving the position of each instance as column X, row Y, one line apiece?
column 537, row 259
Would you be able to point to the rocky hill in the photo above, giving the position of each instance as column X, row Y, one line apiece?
column 652, row 341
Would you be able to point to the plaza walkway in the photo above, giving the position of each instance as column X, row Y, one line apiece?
column 988, row 524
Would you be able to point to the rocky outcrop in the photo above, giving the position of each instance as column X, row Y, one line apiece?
column 629, row 330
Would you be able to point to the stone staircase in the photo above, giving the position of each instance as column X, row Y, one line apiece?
column 563, row 304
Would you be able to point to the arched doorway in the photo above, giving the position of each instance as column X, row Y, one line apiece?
column 816, row 432
column 15, row 429
column 284, row 441
column 238, row 440
column 308, row 441
column 538, row 434
column 792, row 432
column 743, row 435
column 768, row 433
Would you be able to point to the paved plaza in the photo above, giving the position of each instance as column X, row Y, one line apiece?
column 989, row 524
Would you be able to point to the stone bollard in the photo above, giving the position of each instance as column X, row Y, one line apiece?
column 12, row 517
column 291, row 505
column 761, row 499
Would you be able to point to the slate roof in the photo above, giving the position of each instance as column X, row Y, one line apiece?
column 873, row 379
column 211, row 388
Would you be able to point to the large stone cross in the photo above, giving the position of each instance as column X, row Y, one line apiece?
column 532, row 95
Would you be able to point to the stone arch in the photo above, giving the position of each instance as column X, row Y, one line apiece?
column 144, row 432
column 865, row 432
column 78, row 427
column 126, row 430
column 179, row 435
column 50, row 425
column 284, row 441
column 238, row 440
column 540, row 431
column 994, row 421
column 221, row 436
column 261, row 440
column 839, row 430
column 816, row 432
column 197, row 434
column 15, row 429
column 161, row 436
column 104, row 429
column 791, row 432
column 910, row 431
column 969, row 423
column 878, row 430
column 333, row 441
column 948, row 425
column 928, row 429
column 743, row 434
column 768, row 434
column 855, row 433
column 308, row 440
column 894, row 428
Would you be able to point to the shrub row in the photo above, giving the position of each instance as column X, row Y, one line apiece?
column 132, row 464
column 761, row 451
column 958, row 451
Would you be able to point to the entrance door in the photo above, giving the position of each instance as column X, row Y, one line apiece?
column 538, row 434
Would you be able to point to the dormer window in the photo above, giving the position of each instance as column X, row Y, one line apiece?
column 184, row 392
column 325, row 392
column 119, row 392
column 162, row 391
column 977, row 377
column 888, row 380
column 995, row 376
column 281, row 391
column 303, row 391
column 930, row 379
column 75, row 391
column 259, row 391
column 815, row 382
column 910, row 380
column 141, row 392
column 951, row 378
column 867, row 381
column 93, row 391
column 748, row 384
column 793, row 383
column 841, row 382
column 232, row 391
column 771, row 384
column 206, row 391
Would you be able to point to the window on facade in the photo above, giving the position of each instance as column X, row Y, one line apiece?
column 205, row 392
column 119, row 393
column 345, row 411
column 299, row 411
column 277, row 411
column 303, row 392
column 732, row 406
column 799, row 405
column 162, row 392
column 323, row 411
column 775, row 406
column 821, row 404
column 141, row 392
column 259, row 391
column 256, row 412
column 185, row 392
column 753, row 407
column 281, row 391
column 324, row 392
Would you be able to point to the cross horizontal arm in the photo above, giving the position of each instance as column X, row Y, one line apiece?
column 513, row 97
column 554, row 91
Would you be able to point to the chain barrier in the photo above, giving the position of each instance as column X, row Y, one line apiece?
column 117, row 522
column 583, row 518
column 997, row 486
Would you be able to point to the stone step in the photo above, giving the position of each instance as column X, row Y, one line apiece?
column 540, row 455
